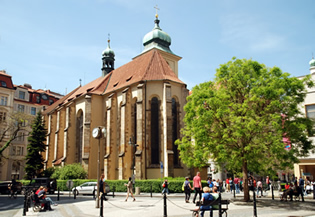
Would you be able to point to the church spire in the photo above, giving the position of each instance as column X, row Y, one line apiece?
column 108, row 58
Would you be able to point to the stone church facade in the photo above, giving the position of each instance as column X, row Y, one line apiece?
column 140, row 105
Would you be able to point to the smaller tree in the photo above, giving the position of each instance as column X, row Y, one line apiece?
column 37, row 138
column 16, row 122
column 71, row 171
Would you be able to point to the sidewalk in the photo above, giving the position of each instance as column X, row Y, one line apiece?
column 176, row 207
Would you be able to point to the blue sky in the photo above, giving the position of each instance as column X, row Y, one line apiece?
column 53, row 44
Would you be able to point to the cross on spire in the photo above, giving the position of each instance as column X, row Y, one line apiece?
column 108, row 39
column 156, row 9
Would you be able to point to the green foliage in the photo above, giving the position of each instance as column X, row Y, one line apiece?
column 239, row 120
column 36, row 145
column 71, row 171
column 48, row 172
column 175, row 186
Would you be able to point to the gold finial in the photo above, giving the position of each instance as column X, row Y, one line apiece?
column 156, row 8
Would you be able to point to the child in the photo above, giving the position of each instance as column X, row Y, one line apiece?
column 165, row 187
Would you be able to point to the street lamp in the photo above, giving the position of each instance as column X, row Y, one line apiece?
column 98, row 133
column 132, row 143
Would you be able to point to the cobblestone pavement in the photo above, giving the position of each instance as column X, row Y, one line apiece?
column 176, row 207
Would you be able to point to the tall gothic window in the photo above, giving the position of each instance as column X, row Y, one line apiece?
column 155, row 135
column 79, row 137
column 175, row 130
column 135, row 122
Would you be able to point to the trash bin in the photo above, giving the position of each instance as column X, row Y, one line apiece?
column 137, row 190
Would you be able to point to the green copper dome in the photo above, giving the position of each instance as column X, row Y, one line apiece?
column 312, row 62
column 157, row 39
column 108, row 51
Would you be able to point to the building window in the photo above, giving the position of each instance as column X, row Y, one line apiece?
column 310, row 111
column 17, row 150
column 33, row 111
column 155, row 136
column 21, row 95
column 4, row 100
column 51, row 101
column 20, row 137
column 37, row 99
column 3, row 84
column 21, row 108
column 174, row 130
column 3, row 116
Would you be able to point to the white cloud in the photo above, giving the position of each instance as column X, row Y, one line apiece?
column 248, row 32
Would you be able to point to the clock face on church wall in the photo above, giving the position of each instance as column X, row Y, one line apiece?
column 96, row 132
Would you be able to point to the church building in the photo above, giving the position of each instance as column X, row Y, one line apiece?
column 127, row 119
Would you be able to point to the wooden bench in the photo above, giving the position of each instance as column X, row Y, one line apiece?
column 219, row 202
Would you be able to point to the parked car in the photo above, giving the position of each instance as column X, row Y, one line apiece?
column 46, row 182
column 88, row 188
column 4, row 187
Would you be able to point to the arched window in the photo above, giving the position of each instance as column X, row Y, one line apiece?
column 175, row 130
column 79, row 137
column 155, row 135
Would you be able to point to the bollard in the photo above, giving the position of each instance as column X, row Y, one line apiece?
column 75, row 193
column 94, row 193
column 234, row 190
column 114, row 191
column 254, row 199
column 165, row 207
column 220, row 206
column 101, row 208
column 313, row 191
column 151, row 190
column 58, row 194
column 273, row 196
column 24, row 209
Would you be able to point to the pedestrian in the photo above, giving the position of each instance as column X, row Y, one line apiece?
column 231, row 184
column 187, row 188
column 197, row 186
column 210, row 183
column 165, row 187
column 301, row 185
column 101, row 184
column 220, row 186
column 236, row 184
column 259, row 188
column 227, row 184
column 268, row 183
column 129, row 190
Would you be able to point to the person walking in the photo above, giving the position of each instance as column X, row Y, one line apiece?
column 101, row 184
column 129, row 190
column 197, row 186
column 236, row 184
column 227, row 184
column 165, row 187
column 259, row 188
column 301, row 185
column 187, row 188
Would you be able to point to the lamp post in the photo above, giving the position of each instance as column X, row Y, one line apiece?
column 98, row 133
column 132, row 143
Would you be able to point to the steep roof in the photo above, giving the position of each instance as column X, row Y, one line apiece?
column 150, row 66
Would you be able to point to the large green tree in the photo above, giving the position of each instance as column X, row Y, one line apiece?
column 240, row 119
column 35, row 147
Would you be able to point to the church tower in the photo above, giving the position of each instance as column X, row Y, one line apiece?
column 160, row 40
column 108, row 58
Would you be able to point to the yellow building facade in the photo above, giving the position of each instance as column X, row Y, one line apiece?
column 140, row 105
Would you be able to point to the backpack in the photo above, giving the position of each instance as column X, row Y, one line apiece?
column 183, row 187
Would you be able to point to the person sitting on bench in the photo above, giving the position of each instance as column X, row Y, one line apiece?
column 206, row 196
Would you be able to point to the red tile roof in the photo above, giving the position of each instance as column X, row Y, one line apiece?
column 146, row 67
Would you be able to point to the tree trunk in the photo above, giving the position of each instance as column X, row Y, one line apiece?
column 245, row 181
